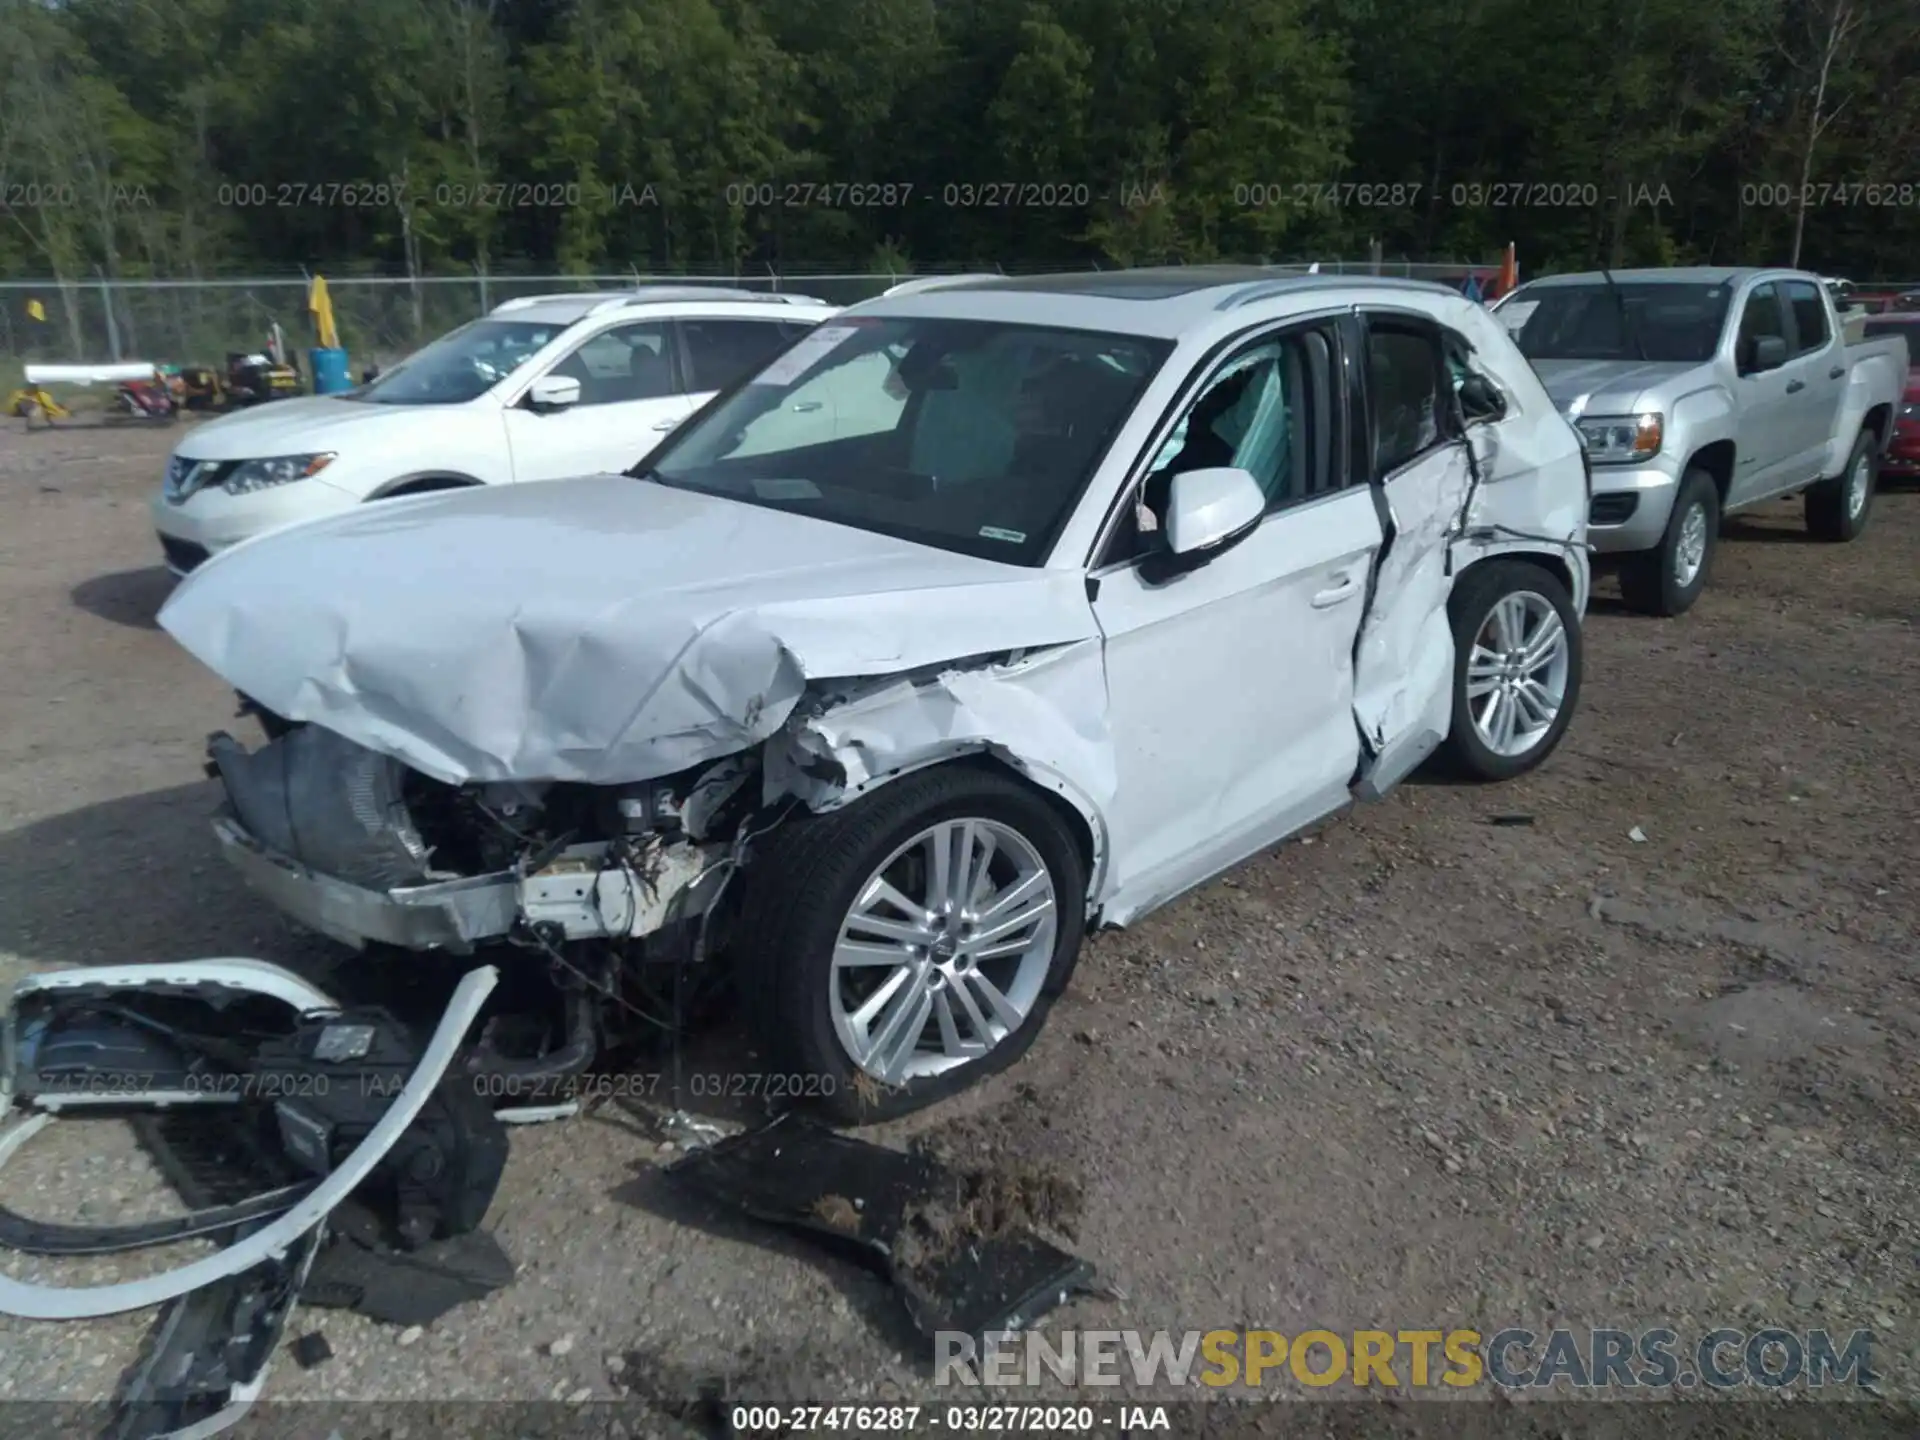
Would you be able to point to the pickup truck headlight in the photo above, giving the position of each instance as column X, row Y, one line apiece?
column 1616, row 439
column 252, row 475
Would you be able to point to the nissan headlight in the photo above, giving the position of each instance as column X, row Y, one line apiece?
column 251, row 475
column 1617, row 439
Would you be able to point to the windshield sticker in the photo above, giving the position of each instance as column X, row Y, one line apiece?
column 797, row 489
column 994, row 532
column 806, row 354
column 1514, row 314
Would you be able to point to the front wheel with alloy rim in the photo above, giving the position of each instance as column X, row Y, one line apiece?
column 903, row 947
column 1667, row 579
column 1516, row 668
column 1837, row 509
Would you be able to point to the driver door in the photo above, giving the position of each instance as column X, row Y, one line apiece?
column 1230, row 687
column 631, row 397
column 1766, row 419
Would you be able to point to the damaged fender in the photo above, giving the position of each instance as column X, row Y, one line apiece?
column 49, row 1302
column 1043, row 714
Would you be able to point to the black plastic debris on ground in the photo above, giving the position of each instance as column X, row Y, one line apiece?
column 210, row 1161
column 362, row 1270
column 210, row 1345
column 947, row 1242
column 310, row 1350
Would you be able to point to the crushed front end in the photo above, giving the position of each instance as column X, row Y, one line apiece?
column 359, row 847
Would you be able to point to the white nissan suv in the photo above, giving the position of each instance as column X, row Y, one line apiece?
column 543, row 387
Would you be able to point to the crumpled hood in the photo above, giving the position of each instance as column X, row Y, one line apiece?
column 602, row 630
column 1611, row 387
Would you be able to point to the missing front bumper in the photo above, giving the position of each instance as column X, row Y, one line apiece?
column 582, row 893
column 452, row 915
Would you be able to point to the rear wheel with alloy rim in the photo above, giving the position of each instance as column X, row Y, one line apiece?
column 1667, row 579
column 1517, row 659
column 910, row 944
column 1837, row 509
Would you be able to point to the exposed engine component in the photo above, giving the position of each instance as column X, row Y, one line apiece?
column 336, row 805
column 357, row 846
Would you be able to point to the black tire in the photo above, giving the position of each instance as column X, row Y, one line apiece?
column 1648, row 581
column 1472, row 602
column 1829, row 515
column 798, row 888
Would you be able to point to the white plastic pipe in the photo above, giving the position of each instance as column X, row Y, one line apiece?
column 88, row 374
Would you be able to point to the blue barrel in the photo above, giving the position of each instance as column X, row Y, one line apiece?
column 330, row 375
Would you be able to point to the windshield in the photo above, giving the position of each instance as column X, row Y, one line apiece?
column 1664, row 321
column 969, row 435
column 462, row 365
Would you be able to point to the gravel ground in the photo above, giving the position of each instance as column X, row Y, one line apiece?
column 1645, row 1059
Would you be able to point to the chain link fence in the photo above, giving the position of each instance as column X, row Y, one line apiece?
column 381, row 318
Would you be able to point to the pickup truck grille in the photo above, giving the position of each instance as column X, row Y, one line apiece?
column 1614, row 509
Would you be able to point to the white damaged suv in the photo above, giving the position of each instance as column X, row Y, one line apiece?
column 984, row 615
column 544, row 387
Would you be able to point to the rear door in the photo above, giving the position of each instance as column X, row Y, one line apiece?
column 1403, row 664
column 1819, row 368
column 719, row 353
column 630, row 397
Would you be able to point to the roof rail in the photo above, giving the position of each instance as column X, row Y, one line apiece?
column 599, row 300
column 935, row 282
column 522, row 302
column 1292, row 284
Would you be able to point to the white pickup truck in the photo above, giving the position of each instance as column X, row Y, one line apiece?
column 1701, row 393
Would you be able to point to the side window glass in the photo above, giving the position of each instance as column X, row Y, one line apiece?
column 1404, row 374
column 1458, row 355
column 1809, row 317
column 630, row 362
column 1761, row 317
column 1263, row 412
column 722, row 352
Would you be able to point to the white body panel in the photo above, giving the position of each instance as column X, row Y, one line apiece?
column 628, row 630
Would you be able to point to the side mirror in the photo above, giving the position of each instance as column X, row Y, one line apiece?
column 553, row 392
column 1210, row 510
column 1479, row 400
column 1764, row 352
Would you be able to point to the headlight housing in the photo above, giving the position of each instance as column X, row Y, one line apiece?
column 251, row 475
column 1616, row 439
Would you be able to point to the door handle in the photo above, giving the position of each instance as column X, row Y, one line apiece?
column 665, row 424
column 1837, row 372
column 806, row 407
column 1794, row 387
column 1341, row 589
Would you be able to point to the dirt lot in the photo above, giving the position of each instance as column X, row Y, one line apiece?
column 1422, row 1069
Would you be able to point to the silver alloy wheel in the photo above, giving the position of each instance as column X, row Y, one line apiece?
column 1517, row 673
column 1858, row 483
column 945, row 950
column 1690, row 546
